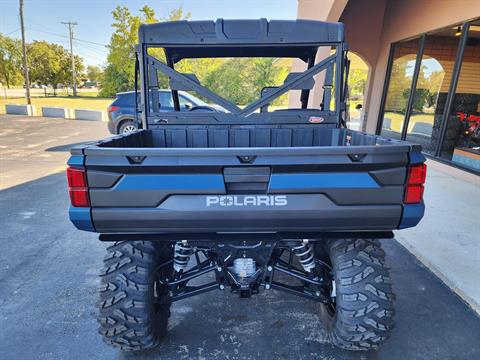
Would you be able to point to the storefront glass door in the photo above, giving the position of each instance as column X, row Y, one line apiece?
column 433, row 83
column 443, row 114
column 401, row 76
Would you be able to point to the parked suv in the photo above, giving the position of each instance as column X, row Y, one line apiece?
column 121, row 112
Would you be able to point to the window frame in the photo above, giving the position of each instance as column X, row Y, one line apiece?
column 413, row 84
column 451, row 89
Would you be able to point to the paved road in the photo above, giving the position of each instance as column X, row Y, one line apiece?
column 19, row 93
column 48, row 279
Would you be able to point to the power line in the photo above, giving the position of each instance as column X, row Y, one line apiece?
column 100, row 56
column 83, row 43
column 89, row 53
column 96, row 48
column 89, row 57
column 64, row 36
column 11, row 32
column 91, row 42
column 93, row 51
column 48, row 32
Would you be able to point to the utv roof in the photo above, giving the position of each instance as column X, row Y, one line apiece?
column 240, row 38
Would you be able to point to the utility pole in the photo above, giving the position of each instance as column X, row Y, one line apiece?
column 24, row 50
column 74, row 75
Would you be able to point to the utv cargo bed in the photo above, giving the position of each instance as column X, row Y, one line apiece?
column 241, row 178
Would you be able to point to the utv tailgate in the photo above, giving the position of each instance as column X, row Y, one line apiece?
column 315, row 189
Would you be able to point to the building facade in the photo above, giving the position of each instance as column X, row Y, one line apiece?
column 421, row 60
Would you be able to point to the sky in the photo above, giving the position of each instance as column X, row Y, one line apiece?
column 43, row 18
column 430, row 65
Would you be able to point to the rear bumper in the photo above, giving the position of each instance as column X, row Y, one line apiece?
column 111, row 125
column 242, row 236
column 247, row 213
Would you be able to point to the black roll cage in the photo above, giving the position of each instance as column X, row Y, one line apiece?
column 223, row 46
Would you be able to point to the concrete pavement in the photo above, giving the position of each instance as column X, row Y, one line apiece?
column 447, row 239
column 34, row 147
column 48, row 280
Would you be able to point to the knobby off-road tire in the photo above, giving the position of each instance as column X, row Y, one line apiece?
column 362, row 318
column 129, row 317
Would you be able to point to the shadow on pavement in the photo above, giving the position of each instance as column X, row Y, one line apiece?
column 65, row 147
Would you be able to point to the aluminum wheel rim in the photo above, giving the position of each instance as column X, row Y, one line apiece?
column 128, row 129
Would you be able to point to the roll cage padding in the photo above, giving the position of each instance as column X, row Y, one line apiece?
column 240, row 38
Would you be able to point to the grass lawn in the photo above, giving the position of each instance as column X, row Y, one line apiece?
column 81, row 102
column 397, row 120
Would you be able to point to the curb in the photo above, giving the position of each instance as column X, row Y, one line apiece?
column 16, row 109
column 91, row 115
column 57, row 112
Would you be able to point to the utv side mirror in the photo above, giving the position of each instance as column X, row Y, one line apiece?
column 359, row 106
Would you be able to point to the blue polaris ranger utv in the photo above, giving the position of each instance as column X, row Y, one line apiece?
column 251, row 198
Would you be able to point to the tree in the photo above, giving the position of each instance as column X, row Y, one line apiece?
column 94, row 73
column 119, row 72
column 399, row 85
column 433, row 83
column 266, row 72
column 229, row 80
column 10, row 61
column 238, row 80
column 357, row 80
column 51, row 64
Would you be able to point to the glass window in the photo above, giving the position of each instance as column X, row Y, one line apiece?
column 462, row 137
column 126, row 99
column 357, row 81
column 432, row 87
column 185, row 103
column 166, row 101
column 188, row 100
column 401, row 76
column 240, row 79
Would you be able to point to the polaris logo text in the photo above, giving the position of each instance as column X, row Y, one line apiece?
column 247, row 200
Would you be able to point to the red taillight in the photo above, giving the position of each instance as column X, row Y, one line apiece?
column 78, row 187
column 112, row 108
column 417, row 174
column 413, row 194
column 79, row 197
column 414, row 187
column 76, row 178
